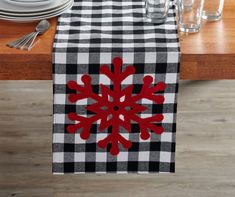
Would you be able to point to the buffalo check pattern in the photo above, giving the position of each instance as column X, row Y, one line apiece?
column 91, row 34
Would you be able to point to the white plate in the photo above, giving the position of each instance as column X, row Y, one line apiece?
column 4, row 6
column 36, row 18
column 11, row 14
column 29, row 0
column 29, row 3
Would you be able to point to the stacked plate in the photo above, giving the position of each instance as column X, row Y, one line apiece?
column 32, row 10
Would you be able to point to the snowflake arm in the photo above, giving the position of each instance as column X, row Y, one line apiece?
column 84, row 92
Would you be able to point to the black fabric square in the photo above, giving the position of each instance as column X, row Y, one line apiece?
column 174, row 128
column 72, row 49
column 91, row 147
column 153, row 166
column 161, row 68
column 155, row 146
column 69, row 147
column 137, row 88
column 71, row 68
column 135, row 128
column 70, row 108
column 172, row 167
column 89, row 166
column 109, row 147
column 173, row 146
column 157, row 109
column 94, row 69
column 65, row 128
column 111, row 166
column 134, row 147
column 68, row 167
column 132, row 166
column 175, row 108
column 96, row 89
column 70, row 91
column 139, row 68
column 94, row 129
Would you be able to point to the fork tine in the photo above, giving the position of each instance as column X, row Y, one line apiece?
column 23, row 42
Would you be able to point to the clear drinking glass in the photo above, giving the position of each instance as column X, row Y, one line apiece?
column 213, row 10
column 188, row 4
column 157, row 10
column 189, row 20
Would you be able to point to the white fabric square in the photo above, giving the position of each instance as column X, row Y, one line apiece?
column 58, row 138
column 172, row 57
column 169, row 98
column 165, row 156
column 58, row 157
column 78, row 139
column 59, row 118
column 171, row 78
column 128, row 80
column 104, row 80
column 59, row 99
column 79, row 156
column 105, row 58
column 122, row 156
column 128, row 58
column 166, row 137
column 144, row 156
column 60, row 78
column 100, row 136
column 83, row 58
column 150, row 57
column 61, row 58
column 101, row 157
column 168, row 118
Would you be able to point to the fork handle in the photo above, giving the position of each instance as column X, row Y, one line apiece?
column 18, row 41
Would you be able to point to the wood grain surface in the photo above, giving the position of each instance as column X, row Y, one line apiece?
column 205, row 153
column 207, row 55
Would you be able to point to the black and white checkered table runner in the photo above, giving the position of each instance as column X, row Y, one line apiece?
column 97, row 32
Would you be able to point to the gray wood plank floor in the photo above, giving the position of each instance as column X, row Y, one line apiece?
column 205, row 159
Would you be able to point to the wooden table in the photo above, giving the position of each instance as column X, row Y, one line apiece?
column 207, row 55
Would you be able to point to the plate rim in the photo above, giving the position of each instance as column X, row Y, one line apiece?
column 27, row 4
column 42, row 8
column 35, row 13
column 41, row 17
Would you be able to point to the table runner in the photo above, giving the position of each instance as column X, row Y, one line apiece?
column 115, row 88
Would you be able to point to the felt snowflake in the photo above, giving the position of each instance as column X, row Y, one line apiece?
column 117, row 107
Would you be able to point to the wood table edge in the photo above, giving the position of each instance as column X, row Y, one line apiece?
column 192, row 67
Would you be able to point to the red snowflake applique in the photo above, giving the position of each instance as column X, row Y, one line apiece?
column 116, row 107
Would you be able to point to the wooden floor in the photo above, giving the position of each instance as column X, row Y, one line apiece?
column 205, row 147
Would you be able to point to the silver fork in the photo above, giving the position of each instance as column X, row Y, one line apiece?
column 26, row 42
